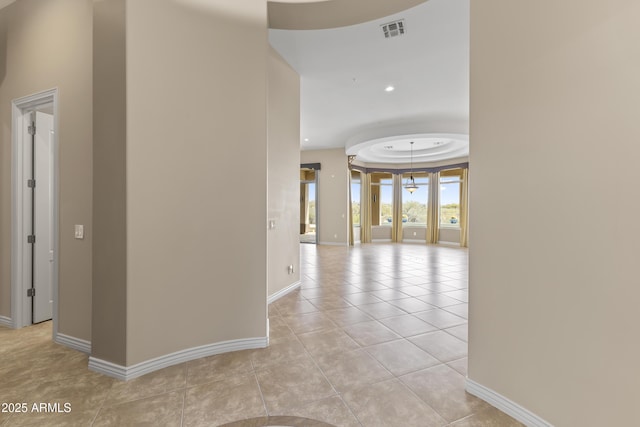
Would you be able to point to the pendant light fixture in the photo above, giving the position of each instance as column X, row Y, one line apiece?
column 411, row 186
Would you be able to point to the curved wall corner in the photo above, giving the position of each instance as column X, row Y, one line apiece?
column 193, row 283
column 332, row 14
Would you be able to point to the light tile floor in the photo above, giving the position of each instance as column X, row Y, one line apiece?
column 376, row 336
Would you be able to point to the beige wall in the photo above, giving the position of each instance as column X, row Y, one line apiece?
column 283, row 173
column 381, row 232
column 447, row 235
column 450, row 235
column 196, row 119
column 554, row 292
column 333, row 198
column 109, row 317
column 420, row 233
column 46, row 44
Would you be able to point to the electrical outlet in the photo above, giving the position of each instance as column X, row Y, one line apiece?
column 290, row 269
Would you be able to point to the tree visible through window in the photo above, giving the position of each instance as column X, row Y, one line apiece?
column 355, row 198
column 450, row 185
column 414, row 205
column 381, row 199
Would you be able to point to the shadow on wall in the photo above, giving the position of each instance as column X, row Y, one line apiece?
column 3, row 48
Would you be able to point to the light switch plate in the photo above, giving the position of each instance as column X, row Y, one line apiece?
column 79, row 231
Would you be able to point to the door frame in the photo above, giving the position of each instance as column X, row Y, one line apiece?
column 316, row 193
column 20, row 303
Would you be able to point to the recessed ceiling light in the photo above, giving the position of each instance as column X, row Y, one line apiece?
column 306, row 140
column 389, row 88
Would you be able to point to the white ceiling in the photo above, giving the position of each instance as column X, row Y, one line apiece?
column 344, row 72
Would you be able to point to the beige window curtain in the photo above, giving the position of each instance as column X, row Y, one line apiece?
column 304, row 208
column 396, row 230
column 464, row 209
column 351, row 239
column 433, row 208
column 365, row 208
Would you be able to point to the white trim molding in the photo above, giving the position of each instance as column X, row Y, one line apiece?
column 6, row 321
column 446, row 243
column 333, row 243
column 20, row 264
column 282, row 292
column 73, row 342
column 129, row 372
column 507, row 406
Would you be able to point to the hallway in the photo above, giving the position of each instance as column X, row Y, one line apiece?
column 376, row 336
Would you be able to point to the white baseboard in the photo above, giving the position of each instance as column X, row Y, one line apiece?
column 282, row 292
column 6, row 321
column 507, row 406
column 333, row 244
column 381, row 240
column 129, row 372
column 74, row 343
column 444, row 242
column 414, row 241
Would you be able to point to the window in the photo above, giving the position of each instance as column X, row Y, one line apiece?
column 450, row 186
column 355, row 198
column 381, row 199
column 414, row 205
column 308, row 211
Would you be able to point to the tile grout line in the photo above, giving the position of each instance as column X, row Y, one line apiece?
column 418, row 397
column 334, row 389
column 184, row 402
column 255, row 377
column 184, row 394
column 313, row 359
column 95, row 417
column 6, row 422
column 150, row 396
column 447, row 332
column 398, row 377
column 461, row 419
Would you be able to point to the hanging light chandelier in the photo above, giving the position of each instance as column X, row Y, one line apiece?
column 411, row 186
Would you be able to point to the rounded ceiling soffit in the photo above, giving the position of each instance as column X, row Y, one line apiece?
column 427, row 147
column 320, row 15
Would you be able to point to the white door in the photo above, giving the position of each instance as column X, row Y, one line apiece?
column 43, row 219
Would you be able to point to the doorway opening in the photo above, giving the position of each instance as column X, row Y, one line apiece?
column 309, row 204
column 34, row 219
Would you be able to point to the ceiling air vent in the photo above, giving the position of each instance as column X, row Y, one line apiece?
column 393, row 29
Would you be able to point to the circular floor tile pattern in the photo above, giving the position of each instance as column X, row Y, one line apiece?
column 278, row 421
